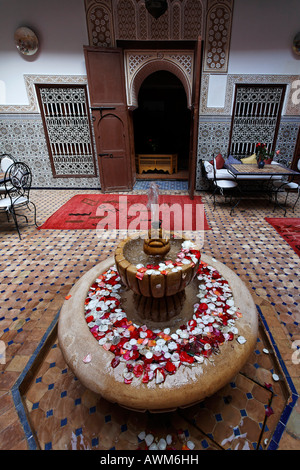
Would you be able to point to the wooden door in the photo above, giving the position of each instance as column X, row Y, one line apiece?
column 296, row 158
column 106, row 82
column 194, row 119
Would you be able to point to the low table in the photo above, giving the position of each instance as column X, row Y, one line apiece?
column 165, row 162
column 273, row 171
column 252, row 169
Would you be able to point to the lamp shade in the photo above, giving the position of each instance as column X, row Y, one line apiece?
column 156, row 8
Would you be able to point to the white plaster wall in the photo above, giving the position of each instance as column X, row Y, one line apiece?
column 262, row 36
column 261, row 43
column 61, row 28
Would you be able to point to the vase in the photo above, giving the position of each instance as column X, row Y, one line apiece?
column 261, row 164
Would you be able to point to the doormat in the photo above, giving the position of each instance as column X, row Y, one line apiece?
column 289, row 229
column 128, row 212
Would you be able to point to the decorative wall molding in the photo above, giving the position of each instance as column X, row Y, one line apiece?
column 217, row 36
column 289, row 108
column 100, row 23
column 30, row 81
column 112, row 20
column 140, row 64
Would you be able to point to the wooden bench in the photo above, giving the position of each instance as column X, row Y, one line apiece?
column 165, row 162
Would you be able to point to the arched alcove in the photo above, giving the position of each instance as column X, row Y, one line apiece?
column 162, row 119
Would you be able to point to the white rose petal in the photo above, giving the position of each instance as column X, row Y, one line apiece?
column 153, row 446
column 149, row 439
column 190, row 445
column 241, row 340
column 162, row 444
column 172, row 345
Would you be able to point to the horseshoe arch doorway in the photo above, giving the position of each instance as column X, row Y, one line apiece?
column 161, row 124
column 158, row 79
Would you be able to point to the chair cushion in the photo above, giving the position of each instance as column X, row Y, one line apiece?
column 251, row 159
column 6, row 202
column 220, row 174
column 4, row 188
column 226, row 184
column 6, row 162
column 292, row 185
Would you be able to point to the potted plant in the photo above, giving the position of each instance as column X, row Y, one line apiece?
column 262, row 154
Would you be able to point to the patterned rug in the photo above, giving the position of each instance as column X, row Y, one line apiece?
column 289, row 229
column 116, row 211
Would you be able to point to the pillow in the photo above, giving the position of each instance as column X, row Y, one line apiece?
column 219, row 162
column 232, row 161
column 208, row 167
column 251, row 159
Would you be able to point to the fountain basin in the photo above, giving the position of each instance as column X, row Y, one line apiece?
column 153, row 283
column 188, row 386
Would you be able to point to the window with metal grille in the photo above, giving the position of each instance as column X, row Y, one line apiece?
column 256, row 117
column 67, row 127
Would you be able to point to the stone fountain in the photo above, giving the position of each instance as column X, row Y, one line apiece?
column 159, row 325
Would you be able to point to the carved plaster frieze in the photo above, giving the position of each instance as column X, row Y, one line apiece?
column 140, row 64
column 290, row 107
column 30, row 81
column 217, row 36
column 112, row 20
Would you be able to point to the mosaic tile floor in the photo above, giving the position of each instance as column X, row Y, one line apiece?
column 65, row 415
column 42, row 404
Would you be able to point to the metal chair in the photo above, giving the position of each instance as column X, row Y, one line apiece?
column 284, row 186
column 17, row 182
column 223, row 185
column 6, row 160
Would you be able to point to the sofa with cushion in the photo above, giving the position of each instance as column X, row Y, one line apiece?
column 223, row 172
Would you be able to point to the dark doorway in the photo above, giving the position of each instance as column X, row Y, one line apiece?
column 162, row 119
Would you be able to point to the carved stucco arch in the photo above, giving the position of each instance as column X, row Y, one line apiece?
column 144, row 64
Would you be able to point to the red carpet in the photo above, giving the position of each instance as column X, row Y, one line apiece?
column 289, row 229
column 115, row 211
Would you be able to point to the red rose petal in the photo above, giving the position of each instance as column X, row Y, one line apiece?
column 145, row 378
column 170, row 367
column 138, row 370
column 115, row 362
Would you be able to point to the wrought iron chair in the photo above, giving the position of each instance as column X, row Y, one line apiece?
column 6, row 160
column 223, row 184
column 17, row 182
column 283, row 185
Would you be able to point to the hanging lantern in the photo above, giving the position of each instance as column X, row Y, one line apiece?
column 156, row 8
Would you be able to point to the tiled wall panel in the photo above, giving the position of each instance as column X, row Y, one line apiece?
column 23, row 136
column 214, row 135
